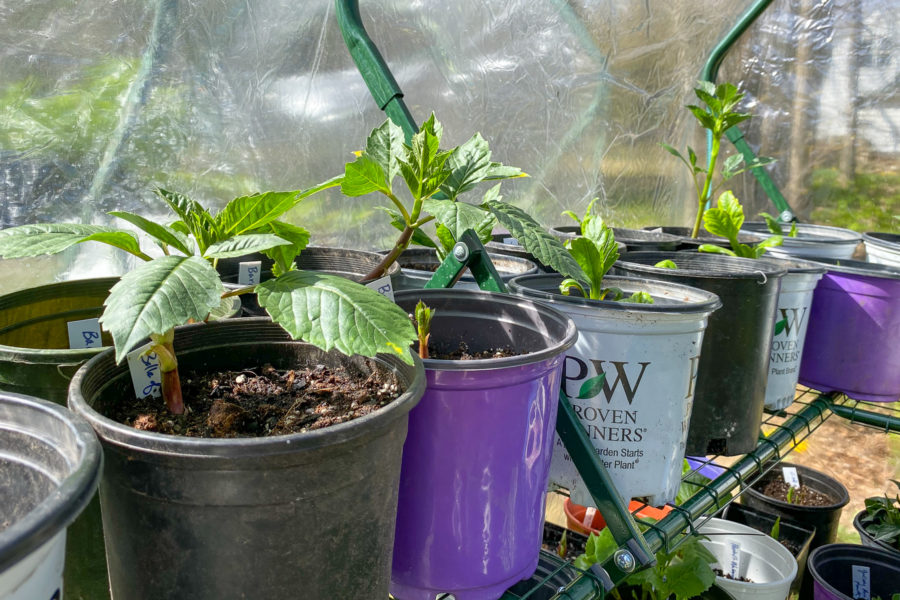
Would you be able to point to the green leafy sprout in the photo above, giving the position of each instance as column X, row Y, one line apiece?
column 774, row 225
column 596, row 252
column 435, row 179
column 718, row 117
column 423, row 317
column 882, row 518
column 182, row 285
column 725, row 220
column 775, row 532
column 789, row 497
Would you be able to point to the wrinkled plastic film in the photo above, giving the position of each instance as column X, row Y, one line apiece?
column 101, row 102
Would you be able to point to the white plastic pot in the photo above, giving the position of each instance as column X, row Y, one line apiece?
column 882, row 248
column 637, row 416
column 791, row 321
column 812, row 241
column 769, row 566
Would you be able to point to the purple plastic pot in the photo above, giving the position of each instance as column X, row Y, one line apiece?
column 853, row 340
column 477, row 456
column 836, row 572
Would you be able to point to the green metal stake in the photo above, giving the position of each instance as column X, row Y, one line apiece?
column 468, row 252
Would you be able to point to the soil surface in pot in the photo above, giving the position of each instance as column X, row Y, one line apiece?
column 804, row 496
column 261, row 402
column 575, row 542
column 463, row 353
column 728, row 576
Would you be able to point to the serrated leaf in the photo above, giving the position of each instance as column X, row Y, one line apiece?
column 689, row 578
column 469, row 164
column 45, row 238
column 364, row 176
column 332, row 312
column 457, row 216
column 731, row 163
column 706, row 120
column 246, row 213
column 591, row 387
column 385, row 146
column 284, row 255
column 157, row 296
column 241, row 245
column 535, row 239
column 713, row 249
column 161, row 233
column 195, row 217
column 445, row 238
column 499, row 171
column 772, row 223
column 124, row 240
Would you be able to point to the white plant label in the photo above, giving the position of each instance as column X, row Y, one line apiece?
column 145, row 372
column 249, row 272
column 383, row 286
column 734, row 560
column 861, row 586
column 84, row 334
column 511, row 240
column 790, row 477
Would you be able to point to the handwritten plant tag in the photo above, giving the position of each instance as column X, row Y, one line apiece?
column 790, row 477
column 511, row 241
column 861, row 586
column 734, row 560
column 249, row 272
column 84, row 334
column 145, row 372
column 383, row 286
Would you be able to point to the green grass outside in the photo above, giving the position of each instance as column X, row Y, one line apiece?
column 870, row 202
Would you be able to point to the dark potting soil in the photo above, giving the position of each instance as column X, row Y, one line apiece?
column 728, row 576
column 804, row 496
column 462, row 352
column 575, row 542
column 261, row 402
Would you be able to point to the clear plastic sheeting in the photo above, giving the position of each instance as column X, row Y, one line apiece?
column 100, row 101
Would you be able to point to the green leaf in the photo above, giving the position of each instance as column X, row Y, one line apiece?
column 124, row 240
column 499, row 171
column 364, row 176
column 469, row 165
column 157, row 296
column 195, row 217
column 385, row 147
column 445, row 238
column 535, row 239
column 771, row 223
column 45, row 238
column 419, row 237
column 689, row 578
column 457, row 216
column 639, row 298
column 332, row 312
column 161, row 233
column 713, row 249
column 731, row 164
column 666, row 264
column 247, row 213
column 779, row 326
column 705, row 119
column 241, row 245
column 586, row 253
column 284, row 255
column 591, row 387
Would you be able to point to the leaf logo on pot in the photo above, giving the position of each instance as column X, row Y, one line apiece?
column 787, row 323
column 780, row 326
column 576, row 370
column 591, row 387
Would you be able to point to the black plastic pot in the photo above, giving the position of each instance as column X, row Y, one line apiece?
column 832, row 568
column 824, row 519
column 690, row 243
column 866, row 538
column 189, row 518
column 568, row 232
column 49, row 469
column 730, row 388
column 417, row 265
column 798, row 536
column 351, row 264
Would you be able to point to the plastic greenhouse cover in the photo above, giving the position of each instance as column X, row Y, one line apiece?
column 102, row 100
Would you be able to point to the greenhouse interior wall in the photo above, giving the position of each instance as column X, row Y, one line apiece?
column 101, row 101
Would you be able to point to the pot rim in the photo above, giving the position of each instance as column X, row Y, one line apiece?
column 858, row 267
column 515, row 303
column 857, row 524
column 62, row 505
column 621, row 233
column 842, row 501
column 730, row 267
column 857, row 549
column 698, row 300
column 809, row 234
column 734, row 529
column 250, row 447
column 883, row 239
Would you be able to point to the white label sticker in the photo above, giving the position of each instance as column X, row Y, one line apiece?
column 145, row 372
column 383, row 286
column 790, row 477
column 84, row 334
column 511, row 240
column 249, row 272
column 861, row 588
column 734, row 560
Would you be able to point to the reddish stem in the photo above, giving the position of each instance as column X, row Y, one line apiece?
column 388, row 260
column 171, row 389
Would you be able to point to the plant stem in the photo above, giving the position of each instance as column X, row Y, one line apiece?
column 704, row 194
column 239, row 291
column 168, row 366
column 401, row 245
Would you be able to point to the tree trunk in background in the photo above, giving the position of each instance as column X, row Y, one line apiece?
column 854, row 27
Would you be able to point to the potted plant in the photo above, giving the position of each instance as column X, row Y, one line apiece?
column 631, row 372
column 435, row 179
column 477, row 457
column 630, row 240
column 806, row 240
column 878, row 523
column 48, row 481
column 852, row 344
column 238, row 505
column 849, row 571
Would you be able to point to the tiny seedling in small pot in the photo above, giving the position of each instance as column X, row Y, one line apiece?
column 182, row 286
column 435, row 180
column 718, row 117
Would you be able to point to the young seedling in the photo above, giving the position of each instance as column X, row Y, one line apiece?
column 882, row 518
column 182, row 286
column 423, row 327
column 435, row 180
column 789, row 497
column 596, row 252
column 775, row 532
column 774, row 225
column 725, row 220
column 718, row 117
column 684, row 573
